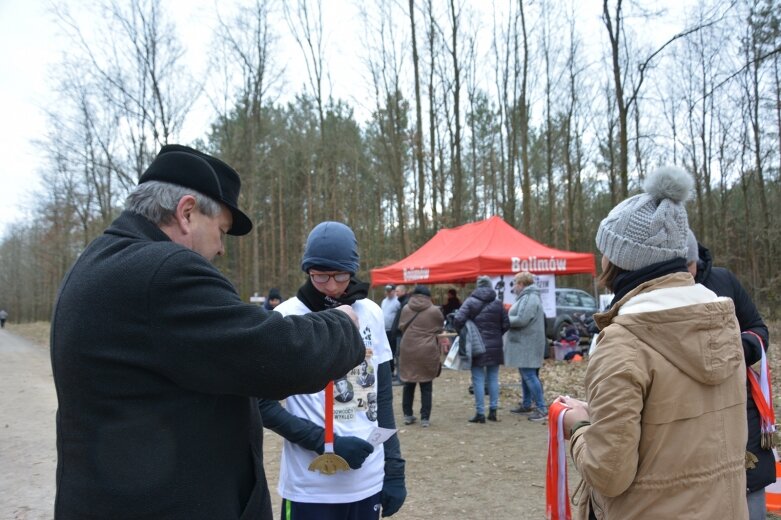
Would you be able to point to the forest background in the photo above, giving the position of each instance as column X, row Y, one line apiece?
column 508, row 108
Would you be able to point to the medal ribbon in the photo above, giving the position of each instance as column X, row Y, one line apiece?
column 761, row 390
column 556, row 492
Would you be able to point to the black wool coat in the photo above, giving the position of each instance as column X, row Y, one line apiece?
column 491, row 319
column 724, row 283
column 157, row 363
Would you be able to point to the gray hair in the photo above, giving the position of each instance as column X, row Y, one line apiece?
column 157, row 200
column 524, row 278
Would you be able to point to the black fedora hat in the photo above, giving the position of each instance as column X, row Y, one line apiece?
column 190, row 168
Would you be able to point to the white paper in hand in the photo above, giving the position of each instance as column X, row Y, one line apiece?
column 379, row 435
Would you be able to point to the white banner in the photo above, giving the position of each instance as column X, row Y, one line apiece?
column 546, row 283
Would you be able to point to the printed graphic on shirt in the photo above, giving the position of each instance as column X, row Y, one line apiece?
column 356, row 392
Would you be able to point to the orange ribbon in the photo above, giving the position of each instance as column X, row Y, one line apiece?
column 556, row 491
column 761, row 390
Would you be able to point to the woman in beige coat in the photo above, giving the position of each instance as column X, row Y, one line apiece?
column 663, row 431
column 419, row 353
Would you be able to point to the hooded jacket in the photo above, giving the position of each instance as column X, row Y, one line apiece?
column 724, row 283
column 489, row 315
column 419, row 357
column 156, row 361
column 666, row 393
column 525, row 342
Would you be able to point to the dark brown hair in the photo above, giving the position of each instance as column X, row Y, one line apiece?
column 609, row 275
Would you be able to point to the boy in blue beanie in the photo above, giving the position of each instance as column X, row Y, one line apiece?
column 376, row 477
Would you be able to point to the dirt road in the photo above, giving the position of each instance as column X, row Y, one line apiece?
column 455, row 470
column 28, row 455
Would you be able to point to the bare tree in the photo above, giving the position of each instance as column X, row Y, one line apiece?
column 307, row 28
column 385, row 64
column 244, row 50
column 418, row 135
column 458, row 175
column 511, row 66
column 752, row 84
column 627, row 86
column 136, row 60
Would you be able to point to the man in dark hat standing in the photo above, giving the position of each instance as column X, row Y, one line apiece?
column 156, row 359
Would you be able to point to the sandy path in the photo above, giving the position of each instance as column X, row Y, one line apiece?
column 28, row 455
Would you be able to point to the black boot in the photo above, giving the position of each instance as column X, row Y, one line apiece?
column 478, row 418
column 492, row 415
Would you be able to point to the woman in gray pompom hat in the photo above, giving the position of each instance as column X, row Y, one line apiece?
column 662, row 432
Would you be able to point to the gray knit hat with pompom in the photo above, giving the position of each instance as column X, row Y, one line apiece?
column 651, row 227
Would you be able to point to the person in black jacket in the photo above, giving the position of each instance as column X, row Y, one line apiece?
column 452, row 304
column 760, row 462
column 273, row 299
column 157, row 361
column 491, row 320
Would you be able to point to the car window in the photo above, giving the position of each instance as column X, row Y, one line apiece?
column 571, row 299
column 587, row 301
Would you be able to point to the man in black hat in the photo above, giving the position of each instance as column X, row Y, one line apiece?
column 156, row 359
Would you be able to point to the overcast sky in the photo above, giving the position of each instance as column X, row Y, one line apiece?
column 25, row 50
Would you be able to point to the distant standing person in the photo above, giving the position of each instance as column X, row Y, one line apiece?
column 524, row 345
column 390, row 308
column 419, row 352
column 762, row 471
column 452, row 304
column 489, row 316
column 273, row 299
column 3, row 317
column 395, row 340
column 157, row 378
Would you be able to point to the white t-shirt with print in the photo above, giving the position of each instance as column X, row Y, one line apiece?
column 355, row 413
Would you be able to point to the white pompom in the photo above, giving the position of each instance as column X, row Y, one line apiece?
column 669, row 182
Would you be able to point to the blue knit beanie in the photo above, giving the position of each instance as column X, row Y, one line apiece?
column 331, row 246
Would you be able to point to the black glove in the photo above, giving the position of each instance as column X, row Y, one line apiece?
column 351, row 449
column 591, row 325
column 393, row 494
column 752, row 348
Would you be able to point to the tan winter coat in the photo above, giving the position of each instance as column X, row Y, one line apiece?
column 666, row 391
column 419, row 355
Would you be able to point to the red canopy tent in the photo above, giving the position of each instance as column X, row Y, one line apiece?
column 489, row 247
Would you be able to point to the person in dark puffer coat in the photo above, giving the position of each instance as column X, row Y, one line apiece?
column 723, row 282
column 489, row 315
